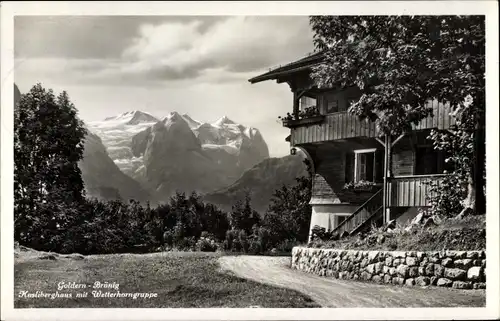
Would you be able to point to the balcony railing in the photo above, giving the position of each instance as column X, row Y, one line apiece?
column 342, row 125
column 412, row 190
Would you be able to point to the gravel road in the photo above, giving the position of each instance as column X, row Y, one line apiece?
column 330, row 292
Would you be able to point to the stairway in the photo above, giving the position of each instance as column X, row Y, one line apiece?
column 370, row 211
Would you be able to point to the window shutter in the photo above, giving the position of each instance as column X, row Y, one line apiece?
column 349, row 167
column 379, row 165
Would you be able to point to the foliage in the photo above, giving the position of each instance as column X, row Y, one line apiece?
column 401, row 62
column 320, row 233
column 243, row 217
column 360, row 185
column 52, row 213
column 451, row 233
column 289, row 212
column 48, row 143
column 306, row 113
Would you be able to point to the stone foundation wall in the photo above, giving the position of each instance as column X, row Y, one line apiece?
column 457, row 269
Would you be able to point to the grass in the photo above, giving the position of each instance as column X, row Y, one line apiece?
column 180, row 279
column 466, row 234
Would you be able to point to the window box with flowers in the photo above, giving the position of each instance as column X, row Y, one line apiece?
column 308, row 116
column 362, row 186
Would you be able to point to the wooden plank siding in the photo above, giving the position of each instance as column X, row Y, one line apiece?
column 407, row 191
column 342, row 125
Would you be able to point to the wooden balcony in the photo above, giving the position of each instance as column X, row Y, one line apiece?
column 343, row 125
column 405, row 191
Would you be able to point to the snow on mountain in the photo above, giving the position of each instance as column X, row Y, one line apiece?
column 116, row 133
column 179, row 152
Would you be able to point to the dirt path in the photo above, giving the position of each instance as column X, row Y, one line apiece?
column 330, row 292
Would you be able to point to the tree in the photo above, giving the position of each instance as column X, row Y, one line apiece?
column 289, row 212
column 48, row 144
column 243, row 217
column 399, row 63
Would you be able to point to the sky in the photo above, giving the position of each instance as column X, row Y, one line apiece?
column 199, row 65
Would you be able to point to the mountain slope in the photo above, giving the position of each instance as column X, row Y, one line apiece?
column 260, row 181
column 102, row 178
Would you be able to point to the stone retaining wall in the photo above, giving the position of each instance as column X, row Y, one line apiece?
column 457, row 269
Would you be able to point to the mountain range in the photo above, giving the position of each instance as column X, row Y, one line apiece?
column 136, row 155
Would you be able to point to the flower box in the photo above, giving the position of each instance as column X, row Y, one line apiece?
column 304, row 121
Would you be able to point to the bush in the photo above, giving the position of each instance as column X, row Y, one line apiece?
column 206, row 245
column 320, row 233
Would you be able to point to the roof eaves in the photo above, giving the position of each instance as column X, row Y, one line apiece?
column 298, row 65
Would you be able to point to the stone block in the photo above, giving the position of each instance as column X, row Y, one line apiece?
column 474, row 273
column 370, row 268
column 388, row 261
column 429, row 269
column 447, row 262
column 411, row 261
column 403, row 270
column 373, row 256
column 421, row 270
column 472, row 255
column 399, row 254
column 455, row 274
column 410, row 282
column 387, row 279
column 444, row 282
column 423, row 281
column 462, row 285
column 377, row 278
column 413, row 271
column 464, row 264
column 366, row 276
column 438, row 270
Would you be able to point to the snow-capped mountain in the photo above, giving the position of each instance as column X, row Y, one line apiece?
column 180, row 153
column 102, row 178
column 116, row 133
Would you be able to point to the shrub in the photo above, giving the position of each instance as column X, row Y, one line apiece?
column 206, row 245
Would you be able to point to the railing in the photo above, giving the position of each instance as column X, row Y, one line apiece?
column 343, row 125
column 362, row 215
column 406, row 191
column 335, row 126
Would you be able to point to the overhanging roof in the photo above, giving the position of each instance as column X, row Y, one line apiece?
column 295, row 66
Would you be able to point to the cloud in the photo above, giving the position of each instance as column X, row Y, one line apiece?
column 237, row 44
column 150, row 51
column 86, row 37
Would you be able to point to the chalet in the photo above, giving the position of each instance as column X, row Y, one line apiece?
column 361, row 177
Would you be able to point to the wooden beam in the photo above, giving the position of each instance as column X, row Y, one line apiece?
column 397, row 140
column 380, row 141
column 295, row 105
column 384, row 188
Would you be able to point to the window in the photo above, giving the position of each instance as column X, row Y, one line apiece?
column 332, row 106
column 429, row 161
column 341, row 218
column 364, row 165
column 306, row 102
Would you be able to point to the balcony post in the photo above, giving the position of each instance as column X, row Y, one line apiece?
column 387, row 174
column 295, row 105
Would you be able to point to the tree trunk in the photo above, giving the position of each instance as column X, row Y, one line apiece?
column 479, row 166
column 475, row 202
